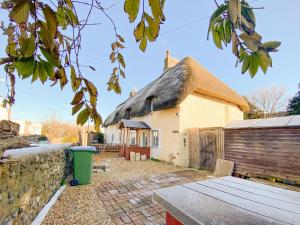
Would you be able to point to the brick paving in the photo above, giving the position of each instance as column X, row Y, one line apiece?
column 130, row 201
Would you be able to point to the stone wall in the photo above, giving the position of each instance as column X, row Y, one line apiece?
column 29, row 179
column 9, row 138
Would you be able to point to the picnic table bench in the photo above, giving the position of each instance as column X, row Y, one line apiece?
column 228, row 200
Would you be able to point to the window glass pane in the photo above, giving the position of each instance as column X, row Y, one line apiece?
column 155, row 138
column 133, row 137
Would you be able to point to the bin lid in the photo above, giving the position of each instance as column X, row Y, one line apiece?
column 84, row 148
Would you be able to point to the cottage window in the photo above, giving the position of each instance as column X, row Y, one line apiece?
column 112, row 138
column 155, row 138
column 133, row 137
column 127, row 113
column 145, row 139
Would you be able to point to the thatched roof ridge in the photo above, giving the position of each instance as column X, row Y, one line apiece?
column 171, row 88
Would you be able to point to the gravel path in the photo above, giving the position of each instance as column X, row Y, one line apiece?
column 81, row 204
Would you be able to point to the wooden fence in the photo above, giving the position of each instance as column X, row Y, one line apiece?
column 264, row 152
column 205, row 146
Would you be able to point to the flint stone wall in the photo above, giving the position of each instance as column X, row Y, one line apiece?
column 29, row 179
column 9, row 138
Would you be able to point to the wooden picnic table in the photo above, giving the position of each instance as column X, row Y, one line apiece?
column 228, row 200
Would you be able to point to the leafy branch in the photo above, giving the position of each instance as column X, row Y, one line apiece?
column 38, row 46
column 234, row 22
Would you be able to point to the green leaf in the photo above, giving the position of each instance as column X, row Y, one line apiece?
column 73, row 75
column 46, row 38
column 271, row 46
column 28, row 47
column 61, row 17
column 97, row 121
column 143, row 44
column 217, row 39
column 122, row 73
column 264, row 60
column 227, row 30
column 77, row 98
column 220, row 29
column 246, row 63
column 11, row 49
column 63, row 78
column 20, row 12
column 42, row 72
column 131, row 7
column 139, row 30
column 152, row 30
column 76, row 108
column 72, row 17
column 91, row 87
column 25, row 66
column 50, row 58
column 217, row 13
column 83, row 116
column 51, row 21
column 49, row 68
column 156, row 9
column 121, row 60
column 254, row 63
column 112, row 57
column 35, row 75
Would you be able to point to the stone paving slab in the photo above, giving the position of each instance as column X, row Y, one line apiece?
column 130, row 201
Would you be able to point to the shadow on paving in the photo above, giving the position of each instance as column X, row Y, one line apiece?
column 130, row 201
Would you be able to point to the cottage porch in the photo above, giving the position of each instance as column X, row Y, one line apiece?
column 135, row 137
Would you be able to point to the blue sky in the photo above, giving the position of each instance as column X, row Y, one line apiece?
column 184, row 33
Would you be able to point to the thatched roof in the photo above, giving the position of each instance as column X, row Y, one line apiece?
column 171, row 88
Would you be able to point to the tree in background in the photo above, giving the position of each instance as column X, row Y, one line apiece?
column 44, row 39
column 59, row 132
column 268, row 102
column 254, row 112
column 294, row 104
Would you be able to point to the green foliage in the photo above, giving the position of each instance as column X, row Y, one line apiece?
column 147, row 29
column 294, row 104
column 101, row 138
column 155, row 160
column 234, row 22
column 39, row 46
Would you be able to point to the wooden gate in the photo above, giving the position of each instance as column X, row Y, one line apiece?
column 205, row 146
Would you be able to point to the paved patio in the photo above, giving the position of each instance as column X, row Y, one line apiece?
column 121, row 196
column 130, row 201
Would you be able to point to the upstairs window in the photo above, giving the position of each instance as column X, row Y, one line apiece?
column 127, row 113
column 155, row 138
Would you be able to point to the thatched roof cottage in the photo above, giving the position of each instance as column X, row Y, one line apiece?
column 156, row 118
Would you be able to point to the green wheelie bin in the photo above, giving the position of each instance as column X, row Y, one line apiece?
column 83, row 164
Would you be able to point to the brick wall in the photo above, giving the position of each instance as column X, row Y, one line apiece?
column 136, row 149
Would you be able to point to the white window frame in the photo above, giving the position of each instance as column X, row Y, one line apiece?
column 155, row 139
column 133, row 134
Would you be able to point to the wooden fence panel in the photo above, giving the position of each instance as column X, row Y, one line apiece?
column 264, row 152
column 205, row 146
